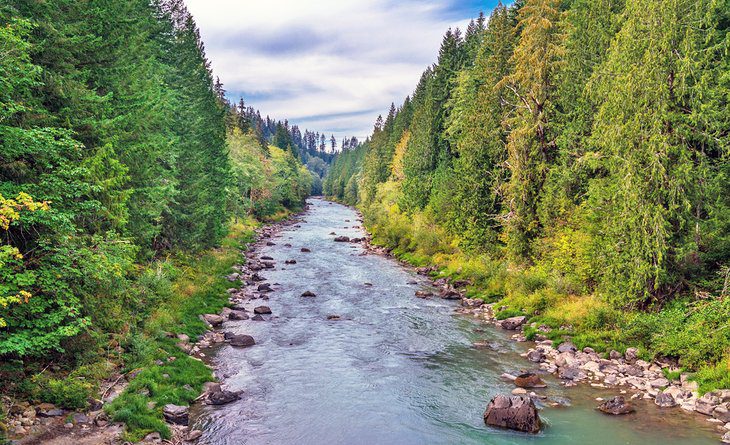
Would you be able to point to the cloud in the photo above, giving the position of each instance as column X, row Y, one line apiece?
column 331, row 65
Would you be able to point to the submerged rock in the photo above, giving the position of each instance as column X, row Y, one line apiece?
column 308, row 294
column 513, row 412
column 616, row 406
column 342, row 239
column 265, row 288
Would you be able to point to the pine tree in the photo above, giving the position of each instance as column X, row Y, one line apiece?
column 650, row 134
column 475, row 130
column 531, row 142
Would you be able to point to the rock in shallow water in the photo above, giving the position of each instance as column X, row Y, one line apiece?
column 513, row 412
column 616, row 406
column 222, row 397
column 665, row 400
column 529, row 380
column 262, row 310
column 242, row 341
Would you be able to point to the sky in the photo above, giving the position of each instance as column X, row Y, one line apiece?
column 327, row 65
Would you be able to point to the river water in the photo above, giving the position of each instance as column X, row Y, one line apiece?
column 394, row 369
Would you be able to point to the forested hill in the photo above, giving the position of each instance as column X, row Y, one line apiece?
column 120, row 163
column 571, row 160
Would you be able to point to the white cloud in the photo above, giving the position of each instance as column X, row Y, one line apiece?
column 330, row 65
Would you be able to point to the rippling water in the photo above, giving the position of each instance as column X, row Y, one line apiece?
column 395, row 369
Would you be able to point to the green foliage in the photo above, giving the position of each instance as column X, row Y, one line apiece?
column 69, row 393
column 507, row 313
column 570, row 159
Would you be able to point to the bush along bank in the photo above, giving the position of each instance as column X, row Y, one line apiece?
column 145, row 368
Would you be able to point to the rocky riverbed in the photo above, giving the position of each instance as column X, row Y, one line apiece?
column 625, row 372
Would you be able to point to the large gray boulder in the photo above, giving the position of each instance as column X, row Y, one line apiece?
column 513, row 412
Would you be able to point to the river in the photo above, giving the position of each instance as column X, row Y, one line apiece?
column 394, row 369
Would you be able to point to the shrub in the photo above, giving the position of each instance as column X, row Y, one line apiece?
column 68, row 393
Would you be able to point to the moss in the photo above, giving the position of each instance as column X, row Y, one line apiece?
column 507, row 313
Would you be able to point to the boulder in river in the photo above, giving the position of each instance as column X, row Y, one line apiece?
column 237, row 315
column 265, row 287
column 290, row 262
column 517, row 413
column 529, row 380
column 242, row 341
column 342, row 239
column 665, row 400
column 268, row 258
column 616, row 406
column 176, row 414
column 262, row 310
column 305, row 250
column 257, row 317
column 512, row 323
column 222, row 397
column 535, row 355
column 308, row 293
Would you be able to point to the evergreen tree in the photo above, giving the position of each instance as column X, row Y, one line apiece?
column 531, row 144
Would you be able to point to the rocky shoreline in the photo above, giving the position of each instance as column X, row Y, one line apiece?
column 627, row 373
